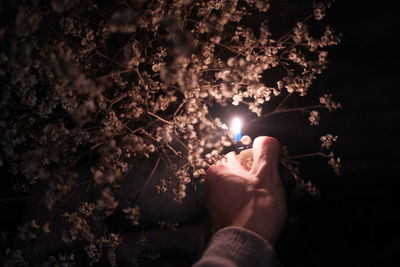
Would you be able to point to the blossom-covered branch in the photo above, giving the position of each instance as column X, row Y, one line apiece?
column 88, row 87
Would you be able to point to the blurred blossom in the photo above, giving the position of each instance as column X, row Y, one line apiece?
column 133, row 214
column 319, row 10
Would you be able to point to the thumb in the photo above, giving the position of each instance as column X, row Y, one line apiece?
column 266, row 151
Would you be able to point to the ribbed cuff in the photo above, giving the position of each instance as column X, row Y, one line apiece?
column 236, row 246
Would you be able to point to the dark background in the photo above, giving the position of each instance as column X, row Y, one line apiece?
column 356, row 220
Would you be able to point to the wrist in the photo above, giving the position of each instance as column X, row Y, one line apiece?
column 267, row 222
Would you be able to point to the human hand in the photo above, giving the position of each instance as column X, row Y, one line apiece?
column 253, row 199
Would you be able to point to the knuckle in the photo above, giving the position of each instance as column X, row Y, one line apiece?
column 273, row 142
column 211, row 171
column 268, row 141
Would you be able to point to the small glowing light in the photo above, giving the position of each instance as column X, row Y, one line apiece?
column 236, row 125
column 236, row 128
column 224, row 126
column 246, row 140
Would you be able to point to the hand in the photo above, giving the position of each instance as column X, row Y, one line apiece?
column 253, row 199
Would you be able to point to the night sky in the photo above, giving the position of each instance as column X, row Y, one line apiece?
column 356, row 220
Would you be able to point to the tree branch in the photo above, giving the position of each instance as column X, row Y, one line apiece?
column 158, row 117
column 306, row 156
column 275, row 112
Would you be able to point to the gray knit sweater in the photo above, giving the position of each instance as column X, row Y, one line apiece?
column 234, row 246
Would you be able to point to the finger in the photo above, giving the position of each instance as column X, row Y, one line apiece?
column 231, row 158
column 228, row 159
column 266, row 152
column 228, row 163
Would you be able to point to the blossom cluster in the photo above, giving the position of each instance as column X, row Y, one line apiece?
column 87, row 86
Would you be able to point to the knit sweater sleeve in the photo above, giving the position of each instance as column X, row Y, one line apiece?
column 235, row 246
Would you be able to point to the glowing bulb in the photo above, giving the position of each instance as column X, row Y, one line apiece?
column 236, row 128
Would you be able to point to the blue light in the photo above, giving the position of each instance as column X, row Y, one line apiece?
column 238, row 136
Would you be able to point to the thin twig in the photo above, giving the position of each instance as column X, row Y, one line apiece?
column 286, row 34
column 275, row 112
column 181, row 143
column 158, row 117
column 231, row 49
column 96, row 145
column 210, row 70
column 306, row 156
column 110, row 59
column 114, row 73
column 177, row 153
column 132, row 131
column 283, row 102
column 140, row 76
column 149, row 135
column 180, row 106
column 118, row 98
column 147, row 180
